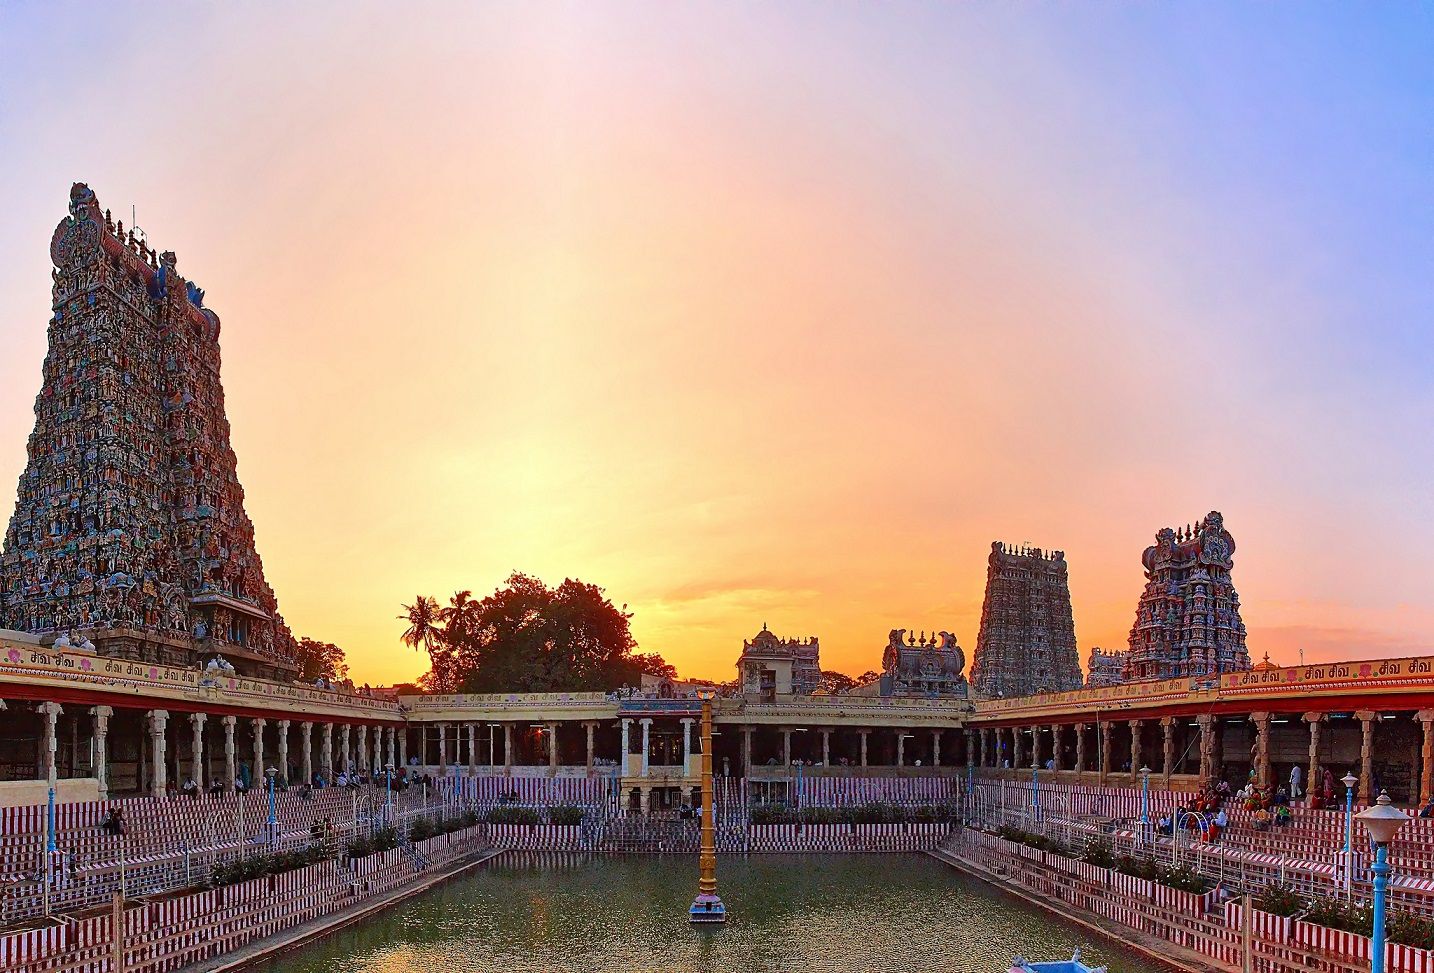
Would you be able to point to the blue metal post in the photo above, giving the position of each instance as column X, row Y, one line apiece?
column 1035, row 794
column 1145, row 799
column 1349, row 837
column 1381, row 893
column 273, row 812
column 50, row 824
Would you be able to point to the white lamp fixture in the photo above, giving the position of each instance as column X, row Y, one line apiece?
column 1382, row 820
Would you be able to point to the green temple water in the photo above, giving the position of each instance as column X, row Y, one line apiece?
column 802, row 913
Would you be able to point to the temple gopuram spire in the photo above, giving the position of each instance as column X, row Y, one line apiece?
column 129, row 530
column 1188, row 620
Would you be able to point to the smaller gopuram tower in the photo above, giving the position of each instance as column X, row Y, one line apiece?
column 1027, row 641
column 1188, row 620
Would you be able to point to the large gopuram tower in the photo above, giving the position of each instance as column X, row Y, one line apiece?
column 1027, row 640
column 1188, row 620
column 129, row 529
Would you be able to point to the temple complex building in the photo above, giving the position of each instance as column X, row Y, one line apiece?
column 1027, row 640
column 931, row 667
column 771, row 666
column 1105, row 668
column 129, row 532
column 1188, row 620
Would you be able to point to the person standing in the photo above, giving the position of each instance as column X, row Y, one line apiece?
column 1296, row 775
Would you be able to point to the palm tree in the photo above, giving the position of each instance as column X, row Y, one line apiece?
column 423, row 618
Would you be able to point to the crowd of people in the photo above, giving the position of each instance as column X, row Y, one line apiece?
column 402, row 779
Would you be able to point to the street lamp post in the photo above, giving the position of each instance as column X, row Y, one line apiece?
column 388, row 788
column 1035, row 797
column 1349, row 780
column 1144, row 803
column 272, row 773
column 1382, row 821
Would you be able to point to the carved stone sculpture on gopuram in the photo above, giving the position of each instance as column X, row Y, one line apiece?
column 129, row 529
column 923, row 666
column 1188, row 620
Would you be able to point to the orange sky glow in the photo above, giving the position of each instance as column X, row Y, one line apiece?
column 754, row 317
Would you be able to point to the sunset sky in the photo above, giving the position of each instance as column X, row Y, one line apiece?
column 775, row 312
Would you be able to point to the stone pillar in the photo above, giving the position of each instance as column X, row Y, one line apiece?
column 1055, row 747
column 900, row 748
column 936, row 748
column 472, row 748
column 389, row 738
column 1135, row 747
column 552, row 749
column 158, row 720
column 361, row 749
column 49, row 715
column 644, row 796
column 786, row 746
column 626, row 746
column 257, row 777
column 1103, row 728
column 1080, row 748
column 1207, row 746
column 591, row 727
column 826, row 747
column 326, row 752
column 345, row 751
column 747, row 751
column 100, row 717
column 1312, row 781
column 1367, row 719
column 646, row 724
column 402, row 733
column 306, row 750
column 686, row 743
column 1168, row 725
column 196, row 749
column 984, row 752
column 284, row 750
column 231, row 773
column 507, row 749
column 442, row 748
column 377, row 764
column 1426, row 756
column 1036, row 749
column 863, row 745
column 1262, row 750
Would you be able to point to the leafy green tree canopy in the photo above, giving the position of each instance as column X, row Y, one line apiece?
column 528, row 637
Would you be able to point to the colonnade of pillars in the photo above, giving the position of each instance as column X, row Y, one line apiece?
column 360, row 751
column 1017, row 747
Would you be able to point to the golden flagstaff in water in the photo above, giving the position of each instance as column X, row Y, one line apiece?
column 707, row 907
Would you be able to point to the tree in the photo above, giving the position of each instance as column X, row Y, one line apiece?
column 836, row 683
column 425, row 631
column 320, row 660
column 528, row 637
column 867, row 678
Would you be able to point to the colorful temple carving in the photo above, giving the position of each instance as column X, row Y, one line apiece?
column 1105, row 667
column 1027, row 639
column 928, row 666
column 129, row 528
column 1188, row 620
column 770, row 666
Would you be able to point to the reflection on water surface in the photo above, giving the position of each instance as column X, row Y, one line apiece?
column 804, row 913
